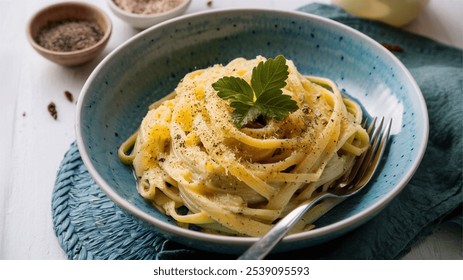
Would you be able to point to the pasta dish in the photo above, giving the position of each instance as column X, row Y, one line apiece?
column 196, row 165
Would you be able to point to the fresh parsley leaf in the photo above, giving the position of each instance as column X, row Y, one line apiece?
column 235, row 89
column 263, row 97
column 244, row 114
column 274, row 106
column 270, row 76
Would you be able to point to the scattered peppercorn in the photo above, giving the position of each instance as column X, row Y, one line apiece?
column 69, row 96
column 393, row 48
column 52, row 110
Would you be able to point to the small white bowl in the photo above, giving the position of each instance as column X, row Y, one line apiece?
column 143, row 21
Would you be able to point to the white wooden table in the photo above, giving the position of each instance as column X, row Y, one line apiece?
column 34, row 143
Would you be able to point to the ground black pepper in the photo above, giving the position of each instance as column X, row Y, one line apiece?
column 69, row 35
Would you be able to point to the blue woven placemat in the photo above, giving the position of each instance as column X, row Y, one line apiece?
column 90, row 226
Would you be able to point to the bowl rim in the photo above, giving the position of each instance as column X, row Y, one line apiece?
column 98, row 10
column 317, row 233
column 125, row 13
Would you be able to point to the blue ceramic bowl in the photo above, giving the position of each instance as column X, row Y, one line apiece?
column 116, row 96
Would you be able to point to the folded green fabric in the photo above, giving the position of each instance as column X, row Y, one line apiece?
column 90, row 226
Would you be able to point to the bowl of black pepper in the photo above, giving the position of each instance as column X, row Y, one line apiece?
column 69, row 33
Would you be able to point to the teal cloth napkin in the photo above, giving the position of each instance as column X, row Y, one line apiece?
column 89, row 225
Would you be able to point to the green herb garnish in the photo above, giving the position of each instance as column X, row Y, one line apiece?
column 263, row 97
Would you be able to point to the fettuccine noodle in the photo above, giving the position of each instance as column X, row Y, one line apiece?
column 196, row 166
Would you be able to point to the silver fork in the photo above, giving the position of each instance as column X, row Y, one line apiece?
column 360, row 174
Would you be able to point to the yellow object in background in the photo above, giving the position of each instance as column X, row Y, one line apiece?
column 393, row 12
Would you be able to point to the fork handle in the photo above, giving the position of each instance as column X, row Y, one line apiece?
column 264, row 245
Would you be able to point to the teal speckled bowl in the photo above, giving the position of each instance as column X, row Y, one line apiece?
column 116, row 96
